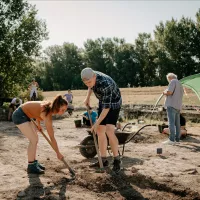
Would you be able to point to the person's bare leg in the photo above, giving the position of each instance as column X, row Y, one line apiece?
column 102, row 140
column 29, row 132
column 102, row 143
column 166, row 130
column 183, row 132
column 10, row 113
column 113, row 141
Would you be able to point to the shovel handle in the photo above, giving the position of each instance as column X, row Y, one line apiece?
column 95, row 140
column 48, row 140
column 69, row 168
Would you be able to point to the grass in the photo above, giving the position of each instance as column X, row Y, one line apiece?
column 141, row 95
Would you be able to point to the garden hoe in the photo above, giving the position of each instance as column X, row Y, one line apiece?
column 63, row 160
column 101, row 169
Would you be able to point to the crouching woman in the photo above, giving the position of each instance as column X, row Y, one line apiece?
column 41, row 111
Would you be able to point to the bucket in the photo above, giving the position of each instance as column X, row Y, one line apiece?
column 77, row 123
column 159, row 150
column 161, row 127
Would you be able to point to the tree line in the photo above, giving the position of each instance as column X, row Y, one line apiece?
column 174, row 47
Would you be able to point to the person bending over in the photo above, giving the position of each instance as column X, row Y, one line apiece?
column 15, row 103
column 183, row 127
column 41, row 111
column 108, row 93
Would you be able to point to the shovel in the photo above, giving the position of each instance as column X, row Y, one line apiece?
column 63, row 160
column 96, row 144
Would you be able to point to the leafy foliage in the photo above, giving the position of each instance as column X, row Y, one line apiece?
column 174, row 47
column 25, row 95
column 20, row 36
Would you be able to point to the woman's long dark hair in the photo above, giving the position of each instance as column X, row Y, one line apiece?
column 55, row 105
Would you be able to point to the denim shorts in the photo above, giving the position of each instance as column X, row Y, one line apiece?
column 19, row 117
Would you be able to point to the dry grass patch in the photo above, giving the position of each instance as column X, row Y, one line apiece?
column 141, row 95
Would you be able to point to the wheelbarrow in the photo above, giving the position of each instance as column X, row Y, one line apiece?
column 87, row 147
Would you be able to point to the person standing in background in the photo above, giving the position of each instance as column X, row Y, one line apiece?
column 173, row 104
column 69, row 96
column 33, row 86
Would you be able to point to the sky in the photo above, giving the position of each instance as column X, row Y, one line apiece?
column 77, row 21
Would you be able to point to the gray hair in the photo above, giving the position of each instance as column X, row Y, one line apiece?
column 87, row 73
column 171, row 75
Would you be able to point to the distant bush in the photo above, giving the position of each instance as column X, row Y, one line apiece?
column 25, row 95
column 6, row 105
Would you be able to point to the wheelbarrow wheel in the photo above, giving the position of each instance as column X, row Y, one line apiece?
column 87, row 148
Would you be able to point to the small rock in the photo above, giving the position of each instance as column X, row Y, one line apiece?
column 21, row 194
column 62, row 194
column 169, row 175
column 74, row 161
column 95, row 190
column 47, row 191
column 53, row 197
column 193, row 172
column 134, row 170
column 183, row 158
column 48, row 158
column 189, row 170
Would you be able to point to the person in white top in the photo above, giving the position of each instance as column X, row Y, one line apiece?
column 33, row 89
column 15, row 103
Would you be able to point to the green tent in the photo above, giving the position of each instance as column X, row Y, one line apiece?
column 192, row 82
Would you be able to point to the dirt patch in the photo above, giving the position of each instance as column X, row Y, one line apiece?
column 145, row 175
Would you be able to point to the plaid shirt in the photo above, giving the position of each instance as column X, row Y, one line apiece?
column 107, row 91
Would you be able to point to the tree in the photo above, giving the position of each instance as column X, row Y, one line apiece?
column 64, row 67
column 20, row 36
column 177, row 47
column 114, row 57
column 147, row 68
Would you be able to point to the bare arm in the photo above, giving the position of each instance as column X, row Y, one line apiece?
column 38, row 124
column 85, row 117
column 167, row 93
column 87, row 100
column 102, row 115
column 171, row 88
column 100, row 119
column 49, row 127
column 29, row 86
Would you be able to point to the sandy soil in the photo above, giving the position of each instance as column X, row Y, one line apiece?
column 173, row 175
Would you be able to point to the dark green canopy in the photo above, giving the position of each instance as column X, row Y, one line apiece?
column 192, row 82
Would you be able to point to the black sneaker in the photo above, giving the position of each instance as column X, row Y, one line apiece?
column 39, row 165
column 34, row 169
column 116, row 166
column 96, row 164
